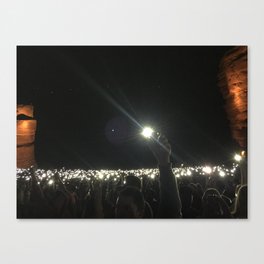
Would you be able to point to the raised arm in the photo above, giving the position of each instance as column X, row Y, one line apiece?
column 170, row 203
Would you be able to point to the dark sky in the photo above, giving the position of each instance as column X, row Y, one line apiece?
column 82, row 98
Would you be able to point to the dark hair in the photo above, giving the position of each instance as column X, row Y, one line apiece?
column 210, row 192
column 133, row 181
column 136, row 195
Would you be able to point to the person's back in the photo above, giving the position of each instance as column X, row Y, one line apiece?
column 134, row 181
column 214, row 207
column 130, row 203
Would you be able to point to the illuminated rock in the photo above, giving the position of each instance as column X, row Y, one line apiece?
column 26, row 130
column 26, row 110
column 233, row 85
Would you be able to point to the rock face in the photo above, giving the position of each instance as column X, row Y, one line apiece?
column 233, row 85
column 26, row 110
column 26, row 130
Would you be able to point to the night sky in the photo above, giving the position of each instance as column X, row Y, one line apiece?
column 88, row 100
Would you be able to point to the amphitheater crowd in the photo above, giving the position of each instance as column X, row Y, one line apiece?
column 164, row 192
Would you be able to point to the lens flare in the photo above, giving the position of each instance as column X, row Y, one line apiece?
column 147, row 132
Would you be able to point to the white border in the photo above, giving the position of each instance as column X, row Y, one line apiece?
column 225, row 22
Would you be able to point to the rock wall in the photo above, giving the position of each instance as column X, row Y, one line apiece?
column 233, row 84
column 26, row 130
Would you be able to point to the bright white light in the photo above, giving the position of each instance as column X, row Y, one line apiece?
column 147, row 132
column 115, row 175
column 237, row 157
column 50, row 182
column 207, row 169
column 221, row 174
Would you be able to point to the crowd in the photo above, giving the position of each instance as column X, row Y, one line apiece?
column 165, row 192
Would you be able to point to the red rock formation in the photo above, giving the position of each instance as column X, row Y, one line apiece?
column 26, row 130
column 25, row 110
column 233, row 85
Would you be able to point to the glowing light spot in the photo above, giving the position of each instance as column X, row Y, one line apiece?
column 50, row 182
column 222, row 174
column 237, row 157
column 147, row 132
column 207, row 170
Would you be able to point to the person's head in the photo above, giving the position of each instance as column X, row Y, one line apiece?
column 199, row 189
column 210, row 192
column 212, row 204
column 130, row 203
column 133, row 181
column 215, row 207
